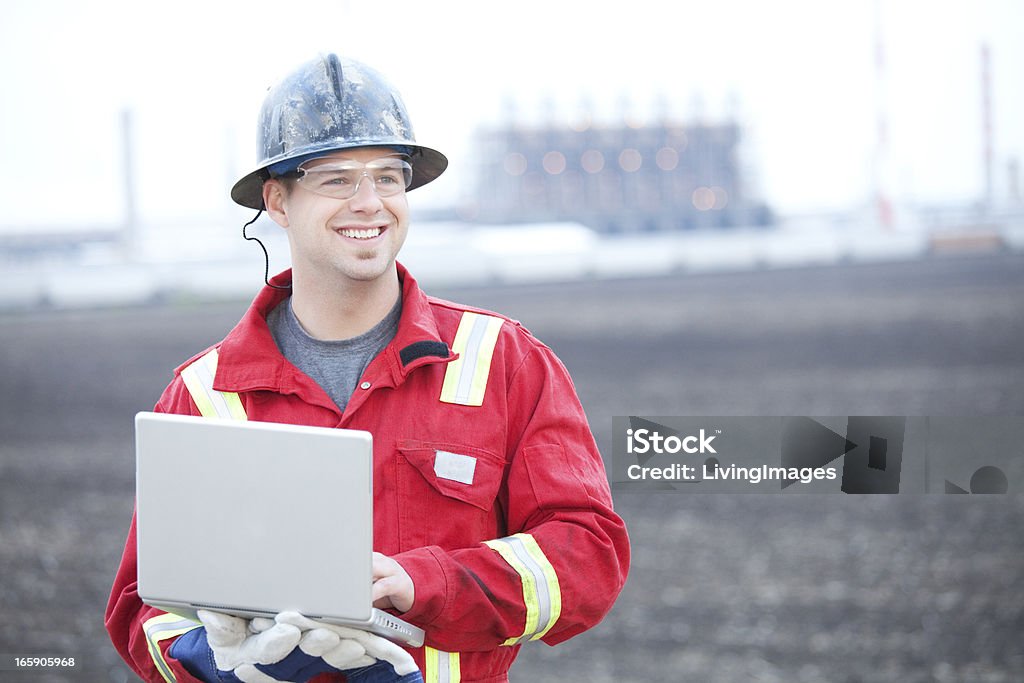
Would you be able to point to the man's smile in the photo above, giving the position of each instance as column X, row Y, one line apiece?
column 360, row 233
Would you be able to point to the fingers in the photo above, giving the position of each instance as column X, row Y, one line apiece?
column 347, row 654
column 236, row 641
column 248, row 673
column 382, row 648
column 239, row 645
column 223, row 630
column 306, row 624
column 381, row 564
column 353, row 647
column 403, row 664
column 393, row 591
column 318, row 641
column 341, row 652
column 392, row 585
column 260, row 624
column 271, row 646
column 297, row 620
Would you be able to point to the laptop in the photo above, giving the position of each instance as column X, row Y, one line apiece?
column 256, row 518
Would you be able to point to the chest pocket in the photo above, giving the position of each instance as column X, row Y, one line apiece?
column 198, row 378
column 449, row 494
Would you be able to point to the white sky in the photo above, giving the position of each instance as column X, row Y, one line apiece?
column 799, row 74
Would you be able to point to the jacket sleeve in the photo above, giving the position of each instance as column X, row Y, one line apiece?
column 566, row 555
column 142, row 634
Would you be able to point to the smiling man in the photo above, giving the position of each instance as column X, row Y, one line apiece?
column 493, row 521
column 346, row 216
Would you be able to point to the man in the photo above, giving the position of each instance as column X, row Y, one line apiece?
column 492, row 514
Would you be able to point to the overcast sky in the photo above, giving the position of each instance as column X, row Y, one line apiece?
column 799, row 75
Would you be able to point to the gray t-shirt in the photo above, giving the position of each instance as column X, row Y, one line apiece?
column 334, row 365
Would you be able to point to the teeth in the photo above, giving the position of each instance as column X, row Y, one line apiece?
column 366, row 234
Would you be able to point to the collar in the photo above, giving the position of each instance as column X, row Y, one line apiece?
column 250, row 359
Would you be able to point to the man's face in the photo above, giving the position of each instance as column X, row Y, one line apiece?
column 357, row 238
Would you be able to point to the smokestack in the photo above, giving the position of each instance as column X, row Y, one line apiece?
column 883, row 204
column 129, row 231
column 1013, row 179
column 986, row 123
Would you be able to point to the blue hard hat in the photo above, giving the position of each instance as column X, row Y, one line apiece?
column 328, row 104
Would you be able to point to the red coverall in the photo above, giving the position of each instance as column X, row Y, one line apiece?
column 537, row 474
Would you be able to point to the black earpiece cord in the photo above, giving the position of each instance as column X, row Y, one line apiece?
column 266, row 256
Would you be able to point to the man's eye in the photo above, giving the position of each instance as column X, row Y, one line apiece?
column 332, row 179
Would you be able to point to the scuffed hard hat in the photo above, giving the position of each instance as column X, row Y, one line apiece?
column 327, row 104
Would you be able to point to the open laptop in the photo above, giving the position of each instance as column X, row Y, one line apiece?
column 256, row 518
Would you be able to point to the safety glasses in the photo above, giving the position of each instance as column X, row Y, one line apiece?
column 390, row 176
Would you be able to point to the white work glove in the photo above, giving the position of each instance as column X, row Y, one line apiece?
column 373, row 647
column 227, row 649
column 290, row 647
column 237, row 642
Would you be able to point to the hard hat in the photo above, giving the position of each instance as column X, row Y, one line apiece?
column 327, row 104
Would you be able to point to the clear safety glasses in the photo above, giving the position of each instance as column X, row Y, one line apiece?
column 340, row 179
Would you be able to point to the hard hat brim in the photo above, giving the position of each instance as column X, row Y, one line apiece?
column 427, row 165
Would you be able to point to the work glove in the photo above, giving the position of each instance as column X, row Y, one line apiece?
column 289, row 648
column 374, row 647
column 226, row 643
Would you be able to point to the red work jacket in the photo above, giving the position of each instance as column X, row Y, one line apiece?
column 528, row 548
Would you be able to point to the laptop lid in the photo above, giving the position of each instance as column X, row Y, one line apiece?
column 256, row 518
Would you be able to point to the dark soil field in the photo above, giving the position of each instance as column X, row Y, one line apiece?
column 723, row 588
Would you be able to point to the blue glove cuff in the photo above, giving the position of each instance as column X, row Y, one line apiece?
column 194, row 653
column 381, row 672
column 297, row 667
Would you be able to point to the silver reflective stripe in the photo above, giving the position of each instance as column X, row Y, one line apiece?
column 198, row 378
column 162, row 627
column 465, row 379
column 543, row 594
column 471, row 358
column 440, row 666
column 443, row 672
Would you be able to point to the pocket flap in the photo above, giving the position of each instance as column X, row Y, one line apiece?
column 464, row 473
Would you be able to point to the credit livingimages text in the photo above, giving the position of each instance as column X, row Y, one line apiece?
column 837, row 454
column 754, row 475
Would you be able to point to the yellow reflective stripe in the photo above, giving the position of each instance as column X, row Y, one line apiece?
column 541, row 593
column 441, row 667
column 198, row 378
column 162, row 627
column 465, row 379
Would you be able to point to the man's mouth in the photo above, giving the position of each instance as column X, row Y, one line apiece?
column 360, row 233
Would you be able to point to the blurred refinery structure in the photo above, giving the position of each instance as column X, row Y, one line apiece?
column 625, row 178
column 551, row 198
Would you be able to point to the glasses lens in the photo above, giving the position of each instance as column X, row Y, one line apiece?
column 391, row 173
column 341, row 180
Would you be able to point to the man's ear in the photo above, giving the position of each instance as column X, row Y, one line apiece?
column 275, row 198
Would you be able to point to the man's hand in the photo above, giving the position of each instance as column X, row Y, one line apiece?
column 236, row 641
column 376, row 648
column 392, row 586
column 289, row 647
column 227, row 649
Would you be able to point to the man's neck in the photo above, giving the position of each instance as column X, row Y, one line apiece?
column 332, row 310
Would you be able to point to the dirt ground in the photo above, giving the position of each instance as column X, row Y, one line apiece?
column 723, row 588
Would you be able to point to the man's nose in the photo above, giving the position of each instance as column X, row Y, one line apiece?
column 365, row 197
